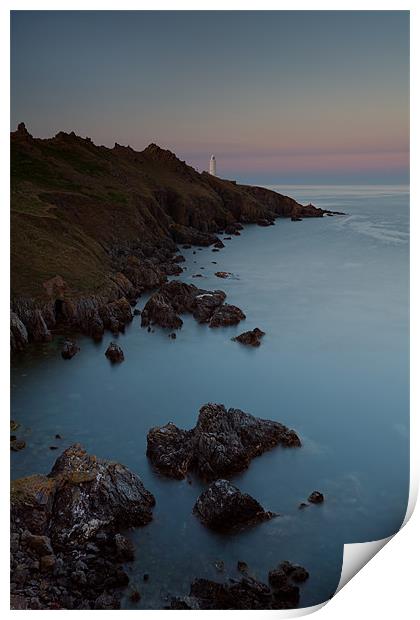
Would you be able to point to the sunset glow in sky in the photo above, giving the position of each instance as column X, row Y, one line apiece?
column 278, row 97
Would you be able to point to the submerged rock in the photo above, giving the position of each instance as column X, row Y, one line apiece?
column 316, row 497
column 65, row 532
column 69, row 349
column 16, row 445
column 114, row 353
column 222, row 506
column 251, row 338
column 222, row 443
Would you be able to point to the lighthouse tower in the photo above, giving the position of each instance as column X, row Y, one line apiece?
column 212, row 166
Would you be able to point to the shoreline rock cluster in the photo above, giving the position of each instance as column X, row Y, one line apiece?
column 247, row 592
column 175, row 298
column 67, row 548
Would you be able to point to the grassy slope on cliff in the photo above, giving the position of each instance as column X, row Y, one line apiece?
column 74, row 203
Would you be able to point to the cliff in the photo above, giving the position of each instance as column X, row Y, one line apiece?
column 92, row 225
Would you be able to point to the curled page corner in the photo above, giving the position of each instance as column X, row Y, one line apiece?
column 356, row 556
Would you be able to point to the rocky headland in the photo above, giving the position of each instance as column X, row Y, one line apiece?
column 92, row 228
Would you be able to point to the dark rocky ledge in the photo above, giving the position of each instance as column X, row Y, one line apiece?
column 247, row 592
column 66, row 541
column 222, row 506
column 222, row 443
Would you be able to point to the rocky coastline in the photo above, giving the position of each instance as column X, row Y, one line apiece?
column 81, row 256
column 93, row 229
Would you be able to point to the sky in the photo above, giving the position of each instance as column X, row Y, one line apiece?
column 305, row 97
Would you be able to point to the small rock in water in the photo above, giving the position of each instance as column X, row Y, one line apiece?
column 219, row 565
column 53, row 447
column 135, row 596
column 303, row 505
column 172, row 336
column 242, row 566
column 222, row 274
column 251, row 338
column 58, row 436
column 136, row 312
column 114, row 353
column 214, row 262
column 14, row 425
column 316, row 497
column 146, row 577
column 69, row 349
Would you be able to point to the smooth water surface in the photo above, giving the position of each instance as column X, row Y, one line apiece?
column 332, row 296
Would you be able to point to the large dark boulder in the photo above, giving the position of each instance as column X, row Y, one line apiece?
column 206, row 303
column 171, row 450
column 222, row 443
column 222, row 506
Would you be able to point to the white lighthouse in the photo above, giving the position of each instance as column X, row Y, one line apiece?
column 212, row 166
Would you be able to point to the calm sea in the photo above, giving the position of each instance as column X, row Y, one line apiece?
column 332, row 296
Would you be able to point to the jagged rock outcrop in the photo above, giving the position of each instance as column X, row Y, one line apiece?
column 222, row 443
column 175, row 298
column 222, row 506
column 66, row 545
column 251, row 338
